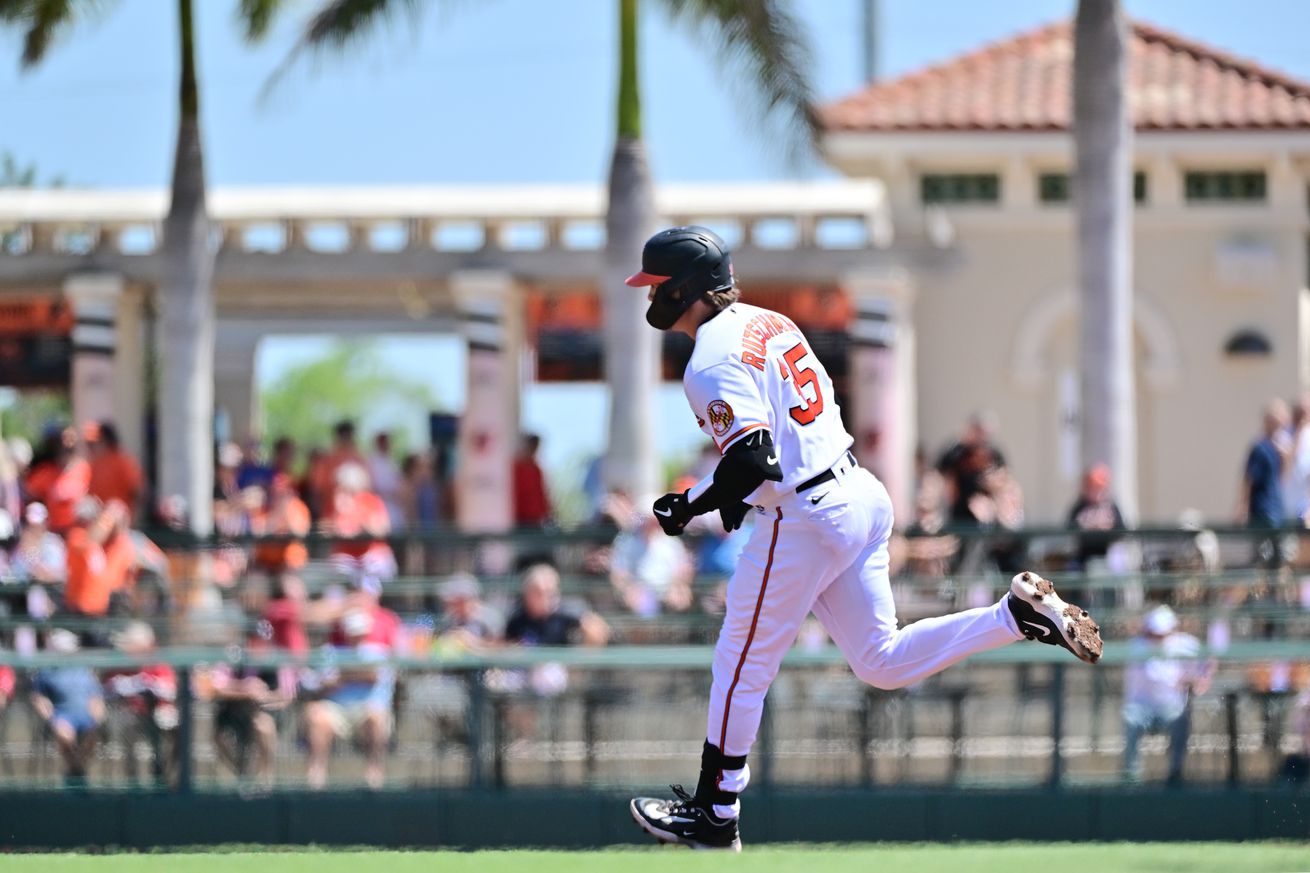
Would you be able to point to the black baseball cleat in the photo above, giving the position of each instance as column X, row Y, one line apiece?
column 1043, row 616
column 684, row 822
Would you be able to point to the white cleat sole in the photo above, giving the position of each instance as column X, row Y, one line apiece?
column 669, row 839
column 1082, row 635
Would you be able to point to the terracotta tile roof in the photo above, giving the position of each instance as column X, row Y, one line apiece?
column 1023, row 83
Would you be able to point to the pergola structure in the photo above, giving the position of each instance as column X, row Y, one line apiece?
column 445, row 259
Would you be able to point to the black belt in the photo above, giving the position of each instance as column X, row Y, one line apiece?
column 826, row 476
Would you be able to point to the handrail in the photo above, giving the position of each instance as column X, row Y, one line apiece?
column 617, row 657
column 590, row 533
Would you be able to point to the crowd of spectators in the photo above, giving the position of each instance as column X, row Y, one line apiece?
column 311, row 544
column 69, row 583
column 68, row 515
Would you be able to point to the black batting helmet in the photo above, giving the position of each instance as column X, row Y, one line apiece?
column 684, row 264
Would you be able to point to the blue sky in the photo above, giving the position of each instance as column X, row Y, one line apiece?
column 459, row 96
column 499, row 91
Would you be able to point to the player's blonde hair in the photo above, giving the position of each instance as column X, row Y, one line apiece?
column 721, row 300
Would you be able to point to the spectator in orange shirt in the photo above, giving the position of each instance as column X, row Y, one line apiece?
column 358, row 513
column 101, row 557
column 59, row 478
column 114, row 474
column 323, row 472
column 531, row 501
column 285, row 515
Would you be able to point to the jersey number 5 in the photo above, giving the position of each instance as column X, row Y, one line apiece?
column 801, row 378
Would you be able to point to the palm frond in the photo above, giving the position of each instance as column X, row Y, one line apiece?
column 764, row 47
column 42, row 22
column 340, row 23
column 256, row 17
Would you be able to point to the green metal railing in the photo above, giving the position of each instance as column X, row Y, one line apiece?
column 626, row 667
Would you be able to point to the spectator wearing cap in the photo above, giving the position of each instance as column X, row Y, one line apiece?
column 39, row 555
column 253, row 470
column 235, row 507
column 1163, row 674
column 227, row 461
column 355, row 700
column 965, row 467
column 115, row 475
column 360, row 519
column 147, row 692
column 1095, row 515
column 465, row 623
column 70, row 703
column 246, row 699
column 59, row 477
column 102, row 558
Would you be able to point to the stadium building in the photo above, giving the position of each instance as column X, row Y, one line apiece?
column 937, row 279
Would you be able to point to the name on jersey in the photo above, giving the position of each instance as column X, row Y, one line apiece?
column 759, row 330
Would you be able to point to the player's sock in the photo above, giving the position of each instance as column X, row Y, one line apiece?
column 722, row 778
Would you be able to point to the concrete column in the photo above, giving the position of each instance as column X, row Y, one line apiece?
column 236, row 416
column 490, row 315
column 1018, row 184
column 1284, row 185
column 1164, row 183
column 883, row 381
column 130, row 373
column 95, row 299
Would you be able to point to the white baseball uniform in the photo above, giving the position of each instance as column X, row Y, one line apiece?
column 823, row 550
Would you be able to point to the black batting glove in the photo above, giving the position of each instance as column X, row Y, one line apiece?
column 673, row 511
column 733, row 515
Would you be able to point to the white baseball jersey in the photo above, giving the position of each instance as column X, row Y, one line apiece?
column 753, row 368
column 824, row 550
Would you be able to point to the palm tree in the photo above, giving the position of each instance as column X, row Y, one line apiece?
column 1103, row 146
column 186, row 296
column 759, row 41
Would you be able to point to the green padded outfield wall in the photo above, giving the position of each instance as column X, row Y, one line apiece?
column 468, row 819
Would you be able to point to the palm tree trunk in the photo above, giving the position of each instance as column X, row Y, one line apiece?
column 186, row 312
column 1103, row 144
column 631, row 345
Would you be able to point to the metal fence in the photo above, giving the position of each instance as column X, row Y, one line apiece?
column 1026, row 715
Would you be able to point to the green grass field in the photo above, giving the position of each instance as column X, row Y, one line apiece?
column 1013, row 858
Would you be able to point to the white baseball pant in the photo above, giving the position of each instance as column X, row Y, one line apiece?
column 825, row 551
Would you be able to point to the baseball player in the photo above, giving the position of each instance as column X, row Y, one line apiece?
column 820, row 538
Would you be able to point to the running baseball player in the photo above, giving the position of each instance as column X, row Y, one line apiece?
column 820, row 538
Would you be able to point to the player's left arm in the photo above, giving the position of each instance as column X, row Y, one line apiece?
column 746, row 465
column 739, row 419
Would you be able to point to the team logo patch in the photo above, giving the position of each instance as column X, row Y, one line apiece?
column 720, row 416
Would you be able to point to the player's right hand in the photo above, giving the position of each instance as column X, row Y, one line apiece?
column 673, row 511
